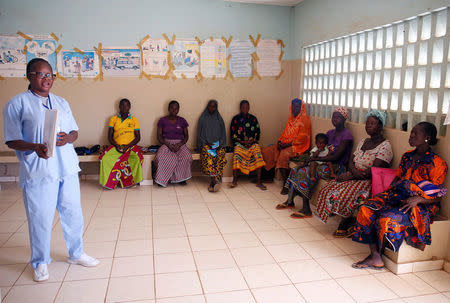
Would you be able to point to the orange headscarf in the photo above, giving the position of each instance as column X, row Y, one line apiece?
column 297, row 130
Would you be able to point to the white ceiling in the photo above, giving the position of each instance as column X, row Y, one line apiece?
column 270, row 2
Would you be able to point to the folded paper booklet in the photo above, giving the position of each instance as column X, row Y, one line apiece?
column 50, row 130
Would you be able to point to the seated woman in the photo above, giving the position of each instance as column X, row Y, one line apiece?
column 299, row 182
column 121, row 163
column 406, row 209
column 173, row 159
column 295, row 140
column 343, row 195
column 245, row 133
column 211, row 141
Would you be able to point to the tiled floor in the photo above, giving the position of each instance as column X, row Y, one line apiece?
column 184, row 244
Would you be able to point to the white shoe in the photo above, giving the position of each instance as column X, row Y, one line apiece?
column 41, row 273
column 84, row 260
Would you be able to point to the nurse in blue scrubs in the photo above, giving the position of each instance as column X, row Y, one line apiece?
column 48, row 183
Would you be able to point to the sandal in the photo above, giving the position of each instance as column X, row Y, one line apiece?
column 300, row 215
column 233, row 185
column 364, row 265
column 285, row 205
column 344, row 233
column 261, row 186
column 211, row 188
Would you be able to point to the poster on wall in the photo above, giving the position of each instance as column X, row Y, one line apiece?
column 213, row 58
column 13, row 61
column 185, row 58
column 72, row 63
column 154, row 55
column 121, row 62
column 268, row 52
column 44, row 47
column 241, row 59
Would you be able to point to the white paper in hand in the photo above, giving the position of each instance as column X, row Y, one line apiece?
column 50, row 131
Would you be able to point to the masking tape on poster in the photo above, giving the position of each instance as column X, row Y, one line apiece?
column 26, row 37
column 281, row 56
column 279, row 41
column 279, row 75
column 78, row 50
column 255, row 42
column 54, row 37
column 99, row 54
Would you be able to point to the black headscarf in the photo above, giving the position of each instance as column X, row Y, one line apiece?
column 211, row 128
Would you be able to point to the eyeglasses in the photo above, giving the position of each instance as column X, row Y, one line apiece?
column 41, row 75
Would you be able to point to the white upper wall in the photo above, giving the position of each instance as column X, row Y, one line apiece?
column 319, row 20
column 85, row 23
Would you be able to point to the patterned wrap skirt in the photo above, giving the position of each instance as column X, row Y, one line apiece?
column 341, row 198
column 117, row 168
column 173, row 167
column 213, row 165
column 247, row 159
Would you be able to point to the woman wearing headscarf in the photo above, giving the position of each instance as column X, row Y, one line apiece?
column 406, row 209
column 294, row 140
column 245, row 133
column 299, row 182
column 343, row 195
column 211, row 141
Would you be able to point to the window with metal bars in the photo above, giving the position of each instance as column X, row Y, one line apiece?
column 401, row 68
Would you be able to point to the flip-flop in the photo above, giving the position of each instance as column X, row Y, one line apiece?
column 300, row 215
column 363, row 265
column 261, row 186
column 232, row 185
column 211, row 189
column 284, row 206
column 344, row 233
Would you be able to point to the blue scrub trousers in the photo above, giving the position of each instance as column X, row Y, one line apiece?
column 40, row 201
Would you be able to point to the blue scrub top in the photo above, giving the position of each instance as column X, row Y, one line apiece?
column 24, row 117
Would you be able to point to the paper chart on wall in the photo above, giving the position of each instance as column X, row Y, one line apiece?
column 184, row 58
column 121, row 62
column 72, row 63
column 44, row 47
column 154, row 54
column 13, row 61
column 241, row 60
column 268, row 52
column 213, row 58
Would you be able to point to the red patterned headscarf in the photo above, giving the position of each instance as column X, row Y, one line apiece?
column 343, row 111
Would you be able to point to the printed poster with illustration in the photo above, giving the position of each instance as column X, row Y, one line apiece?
column 184, row 58
column 72, row 63
column 13, row 61
column 42, row 47
column 213, row 58
column 155, row 57
column 121, row 62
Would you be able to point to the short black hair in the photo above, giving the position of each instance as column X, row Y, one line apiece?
column 323, row 137
column 126, row 101
column 244, row 102
column 34, row 62
column 173, row 102
column 430, row 130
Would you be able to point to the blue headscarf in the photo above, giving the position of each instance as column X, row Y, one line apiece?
column 380, row 115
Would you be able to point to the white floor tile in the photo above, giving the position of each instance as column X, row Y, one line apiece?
column 439, row 279
column 179, row 262
column 323, row 291
column 286, row 293
column 171, row 245
column 132, row 266
column 252, row 256
column 288, row 252
column 87, row 291
column 241, row 296
column 274, row 237
column 214, row 259
column 201, row 243
column 240, row 240
column 177, row 284
column 265, row 275
column 406, row 285
column 220, row 280
column 123, row 289
column 322, row 249
column 357, row 288
column 340, row 266
column 304, row 271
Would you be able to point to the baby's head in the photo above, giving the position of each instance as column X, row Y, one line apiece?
column 321, row 141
